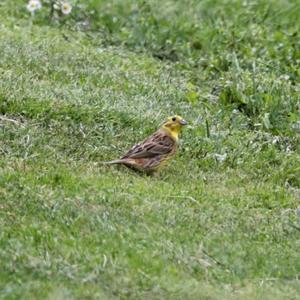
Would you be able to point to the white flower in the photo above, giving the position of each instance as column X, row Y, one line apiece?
column 220, row 157
column 34, row 5
column 66, row 8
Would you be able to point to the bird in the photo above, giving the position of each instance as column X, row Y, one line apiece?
column 156, row 150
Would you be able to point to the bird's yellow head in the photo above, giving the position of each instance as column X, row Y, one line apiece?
column 173, row 126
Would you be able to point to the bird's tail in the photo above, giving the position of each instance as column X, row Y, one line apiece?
column 112, row 162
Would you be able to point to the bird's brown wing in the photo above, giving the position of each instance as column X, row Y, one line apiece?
column 157, row 144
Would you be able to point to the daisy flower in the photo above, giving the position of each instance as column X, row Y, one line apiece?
column 34, row 5
column 66, row 8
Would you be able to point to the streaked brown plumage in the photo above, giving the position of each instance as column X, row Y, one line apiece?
column 151, row 154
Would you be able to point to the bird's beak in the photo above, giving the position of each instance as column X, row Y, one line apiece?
column 183, row 122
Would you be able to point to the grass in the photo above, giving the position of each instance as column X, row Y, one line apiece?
column 220, row 222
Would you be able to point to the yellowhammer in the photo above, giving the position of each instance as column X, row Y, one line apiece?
column 156, row 150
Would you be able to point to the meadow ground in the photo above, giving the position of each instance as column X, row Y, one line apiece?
column 221, row 222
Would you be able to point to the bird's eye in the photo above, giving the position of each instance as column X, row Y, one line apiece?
column 174, row 119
